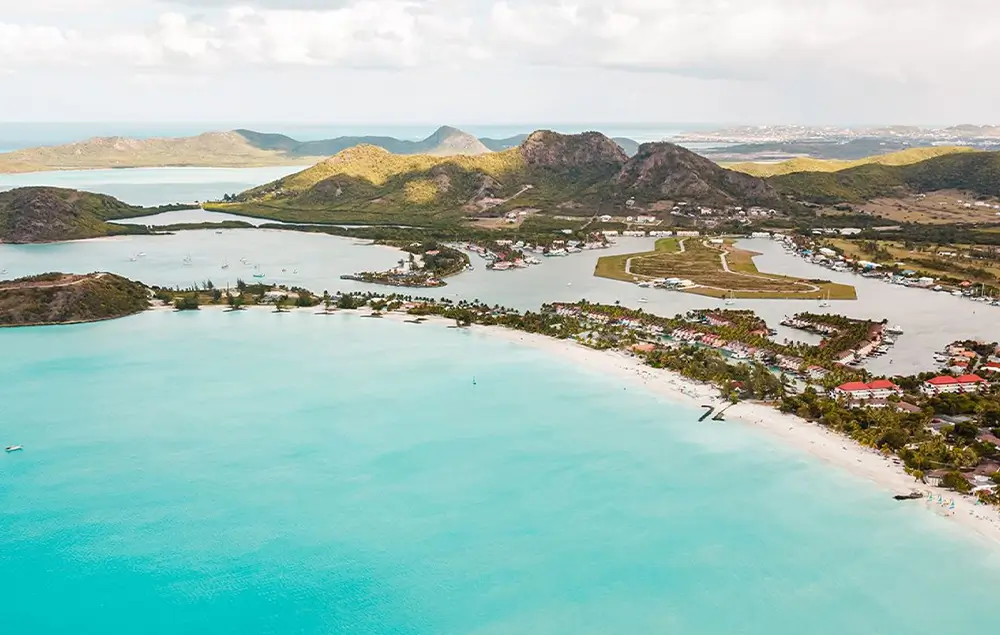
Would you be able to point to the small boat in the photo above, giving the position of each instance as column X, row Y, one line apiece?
column 141, row 254
column 912, row 496
column 895, row 330
column 825, row 302
column 14, row 448
column 187, row 260
column 218, row 231
column 643, row 300
column 731, row 299
column 225, row 265
column 258, row 275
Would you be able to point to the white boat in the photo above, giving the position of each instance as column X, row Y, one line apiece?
column 895, row 329
column 141, row 254
column 14, row 448
column 825, row 302
column 643, row 300
column 731, row 299
column 187, row 260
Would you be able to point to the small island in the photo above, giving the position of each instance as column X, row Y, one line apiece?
column 62, row 298
column 426, row 267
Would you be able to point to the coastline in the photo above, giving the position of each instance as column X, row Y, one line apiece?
column 799, row 434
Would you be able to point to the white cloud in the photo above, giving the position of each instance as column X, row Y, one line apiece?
column 910, row 49
column 365, row 33
column 915, row 40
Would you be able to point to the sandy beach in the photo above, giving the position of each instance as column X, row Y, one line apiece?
column 829, row 447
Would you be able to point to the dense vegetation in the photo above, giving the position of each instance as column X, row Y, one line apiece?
column 976, row 172
column 808, row 164
column 57, row 298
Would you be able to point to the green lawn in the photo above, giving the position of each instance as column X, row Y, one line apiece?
column 702, row 264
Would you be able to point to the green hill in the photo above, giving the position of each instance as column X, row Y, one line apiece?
column 807, row 164
column 48, row 214
column 575, row 175
column 975, row 172
column 58, row 298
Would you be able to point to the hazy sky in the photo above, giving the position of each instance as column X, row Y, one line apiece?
column 501, row 61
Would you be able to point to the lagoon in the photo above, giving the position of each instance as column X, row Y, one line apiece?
column 316, row 261
column 267, row 473
column 154, row 186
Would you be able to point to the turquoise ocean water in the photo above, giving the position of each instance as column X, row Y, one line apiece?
column 257, row 473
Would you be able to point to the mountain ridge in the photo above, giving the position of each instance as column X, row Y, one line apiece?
column 808, row 164
column 549, row 172
column 975, row 172
column 234, row 148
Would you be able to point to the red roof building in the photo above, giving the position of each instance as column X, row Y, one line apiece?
column 948, row 384
column 878, row 389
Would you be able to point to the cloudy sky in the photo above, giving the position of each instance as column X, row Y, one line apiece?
column 501, row 61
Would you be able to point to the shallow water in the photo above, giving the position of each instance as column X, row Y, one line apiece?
column 258, row 473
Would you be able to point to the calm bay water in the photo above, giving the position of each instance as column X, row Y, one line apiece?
column 258, row 473
column 314, row 261
column 154, row 186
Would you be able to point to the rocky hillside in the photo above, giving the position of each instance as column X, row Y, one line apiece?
column 664, row 171
column 554, row 151
column 48, row 214
column 627, row 145
column 58, row 298
column 548, row 172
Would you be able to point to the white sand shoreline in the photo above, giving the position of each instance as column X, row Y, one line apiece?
column 812, row 438
column 831, row 448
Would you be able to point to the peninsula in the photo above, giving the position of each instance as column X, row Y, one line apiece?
column 49, row 214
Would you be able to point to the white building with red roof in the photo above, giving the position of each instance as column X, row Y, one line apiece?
column 948, row 384
column 860, row 391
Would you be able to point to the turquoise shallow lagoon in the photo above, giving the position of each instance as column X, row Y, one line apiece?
column 257, row 473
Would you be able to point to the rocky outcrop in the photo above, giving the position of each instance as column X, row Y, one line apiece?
column 667, row 171
column 552, row 150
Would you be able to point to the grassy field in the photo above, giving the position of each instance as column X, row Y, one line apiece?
column 702, row 264
column 614, row 266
